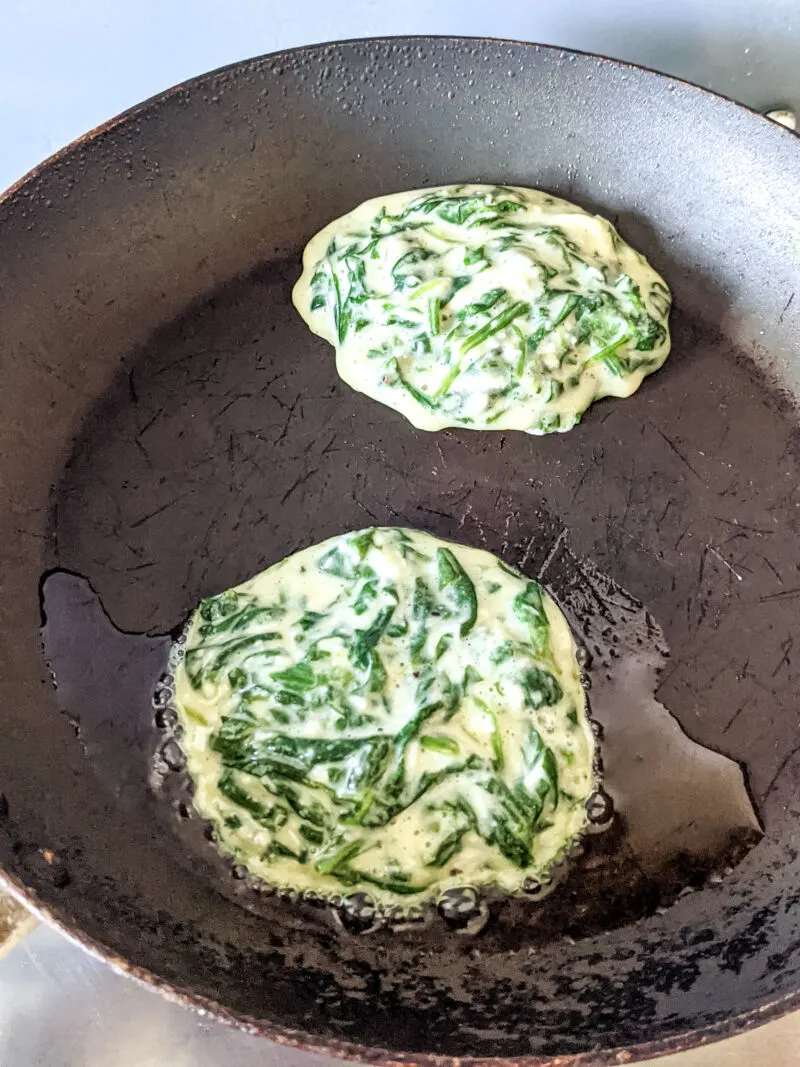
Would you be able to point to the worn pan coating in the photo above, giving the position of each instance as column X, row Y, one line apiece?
column 169, row 427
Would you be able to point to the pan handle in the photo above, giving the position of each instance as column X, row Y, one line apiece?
column 15, row 922
column 784, row 117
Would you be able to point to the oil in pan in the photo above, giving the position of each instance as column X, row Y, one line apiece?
column 673, row 813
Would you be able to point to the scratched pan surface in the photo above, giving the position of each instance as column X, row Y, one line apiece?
column 169, row 427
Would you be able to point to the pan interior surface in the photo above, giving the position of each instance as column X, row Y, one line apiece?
column 170, row 427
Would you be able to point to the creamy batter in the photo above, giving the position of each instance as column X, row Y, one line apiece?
column 387, row 713
column 489, row 307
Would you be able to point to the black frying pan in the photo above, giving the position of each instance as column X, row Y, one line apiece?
column 169, row 427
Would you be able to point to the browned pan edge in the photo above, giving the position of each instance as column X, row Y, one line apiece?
column 346, row 1050
column 166, row 94
column 295, row 1038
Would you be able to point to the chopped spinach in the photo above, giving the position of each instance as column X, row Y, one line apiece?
column 529, row 608
column 378, row 699
column 454, row 578
column 397, row 281
column 541, row 688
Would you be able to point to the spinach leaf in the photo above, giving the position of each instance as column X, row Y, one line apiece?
column 338, row 563
column 500, row 322
column 513, row 848
column 277, row 848
column 497, row 738
column 364, row 641
column 362, row 542
column 444, row 745
column 541, row 688
column 456, row 284
column 448, row 847
column 271, row 817
column 423, row 606
column 376, row 680
column 418, row 395
column 452, row 576
column 214, row 608
column 470, row 676
column 442, row 645
column 366, row 594
column 392, row 884
column 311, row 833
column 338, row 854
column 403, row 272
column 341, row 312
column 206, row 661
column 529, row 608
column 541, row 770
column 240, row 619
column 297, row 679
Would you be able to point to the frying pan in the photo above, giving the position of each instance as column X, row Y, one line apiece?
column 169, row 427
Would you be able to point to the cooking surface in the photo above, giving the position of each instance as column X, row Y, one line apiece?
column 57, row 1005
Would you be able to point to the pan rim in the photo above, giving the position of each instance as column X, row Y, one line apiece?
column 683, row 1041
column 196, row 80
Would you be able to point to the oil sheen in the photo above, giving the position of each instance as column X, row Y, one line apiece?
column 683, row 813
